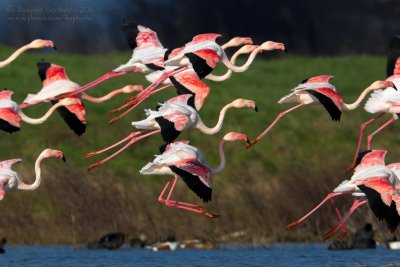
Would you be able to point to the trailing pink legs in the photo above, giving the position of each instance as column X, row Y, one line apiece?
column 181, row 205
column 278, row 118
column 133, row 137
column 328, row 197
column 357, row 203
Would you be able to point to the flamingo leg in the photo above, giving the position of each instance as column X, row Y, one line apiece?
column 329, row 196
column 362, row 129
column 101, row 79
column 278, row 118
column 131, row 107
column 130, row 136
column 356, row 204
column 143, row 95
column 182, row 205
column 338, row 213
column 378, row 130
column 130, row 143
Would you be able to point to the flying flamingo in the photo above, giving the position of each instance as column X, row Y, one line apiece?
column 11, row 114
column 384, row 101
column 57, row 85
column 35, row 44
column 171, row 118
column 189, row 81
column 372, row 165
column 182, row 160
column 9, row 179
column 318, row 90
column 383, row 195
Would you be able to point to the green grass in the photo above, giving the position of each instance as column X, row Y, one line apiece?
column 299, row 161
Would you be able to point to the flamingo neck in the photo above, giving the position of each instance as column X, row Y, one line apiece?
column 356, row 103
column 103, row 98
column 38, row 172
column 227, row 75
column 245, row 66
column 13, row 56
column 207, row 130
column 222, row 158
column 40, row 120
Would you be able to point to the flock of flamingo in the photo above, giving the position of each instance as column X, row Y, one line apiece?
column 186, row 68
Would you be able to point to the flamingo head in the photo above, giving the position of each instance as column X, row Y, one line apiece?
column 39, row 43
column 52, row 153
column 318, row 79
column 242, row 103
column 271, row 45
column 234, row 136
column 239, row 41
column 382, row 84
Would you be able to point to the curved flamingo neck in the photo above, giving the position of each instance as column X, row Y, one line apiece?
column 223, row 77
column 40, row 120
column 207, row 130
column 13, row 56
column 38, row 172
column 222, row 158
column 360, row 98
column 103, row 98
column 245, row 66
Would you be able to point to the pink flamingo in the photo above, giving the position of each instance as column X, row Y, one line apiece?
column 383, row 195
column 57, row 85
column 35, row 44
column 9, row 179
column 171, row 118
column 318, row 90
column 372, row 165
column 11, row 114
column 182, row 160
column 384, row 101
column 188, row 79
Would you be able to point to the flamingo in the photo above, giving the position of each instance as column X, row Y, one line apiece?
column 383, row 197
column 318, row 90
column 57, row 85
column 372, row 165
column 180, row 159
column 11, row 114
column 35, row 44
column 384, row 101
column 188, row 80
column 171, row 118
column 9, row 179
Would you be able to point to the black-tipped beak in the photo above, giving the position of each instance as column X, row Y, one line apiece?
column 394, row 87
column 248, row 141
column 256, row 108
column 63, row 158
column 55, row 47
column 286, row 51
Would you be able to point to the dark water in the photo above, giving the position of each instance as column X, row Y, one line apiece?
column 273, row 255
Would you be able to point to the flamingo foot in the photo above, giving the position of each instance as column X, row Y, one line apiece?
column 331, row 233
column 210, row 215
column 342, row 234
column 89, row 155
column 292, row 225
column 95, row 165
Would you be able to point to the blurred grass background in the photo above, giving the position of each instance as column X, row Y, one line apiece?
column 261, row 190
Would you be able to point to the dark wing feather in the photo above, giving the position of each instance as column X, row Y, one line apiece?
column 71, row 119
column 168, row 131
column 194, row 183
column 182, row 90
column 328, row 104
column 131, row 31
column 6, row 126
column 199, row 64
column 393, row 55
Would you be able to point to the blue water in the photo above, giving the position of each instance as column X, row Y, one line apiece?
column 273, row 255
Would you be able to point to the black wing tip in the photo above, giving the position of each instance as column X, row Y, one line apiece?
column 7, row 127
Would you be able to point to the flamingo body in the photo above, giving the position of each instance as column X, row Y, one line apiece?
column 9, row 119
